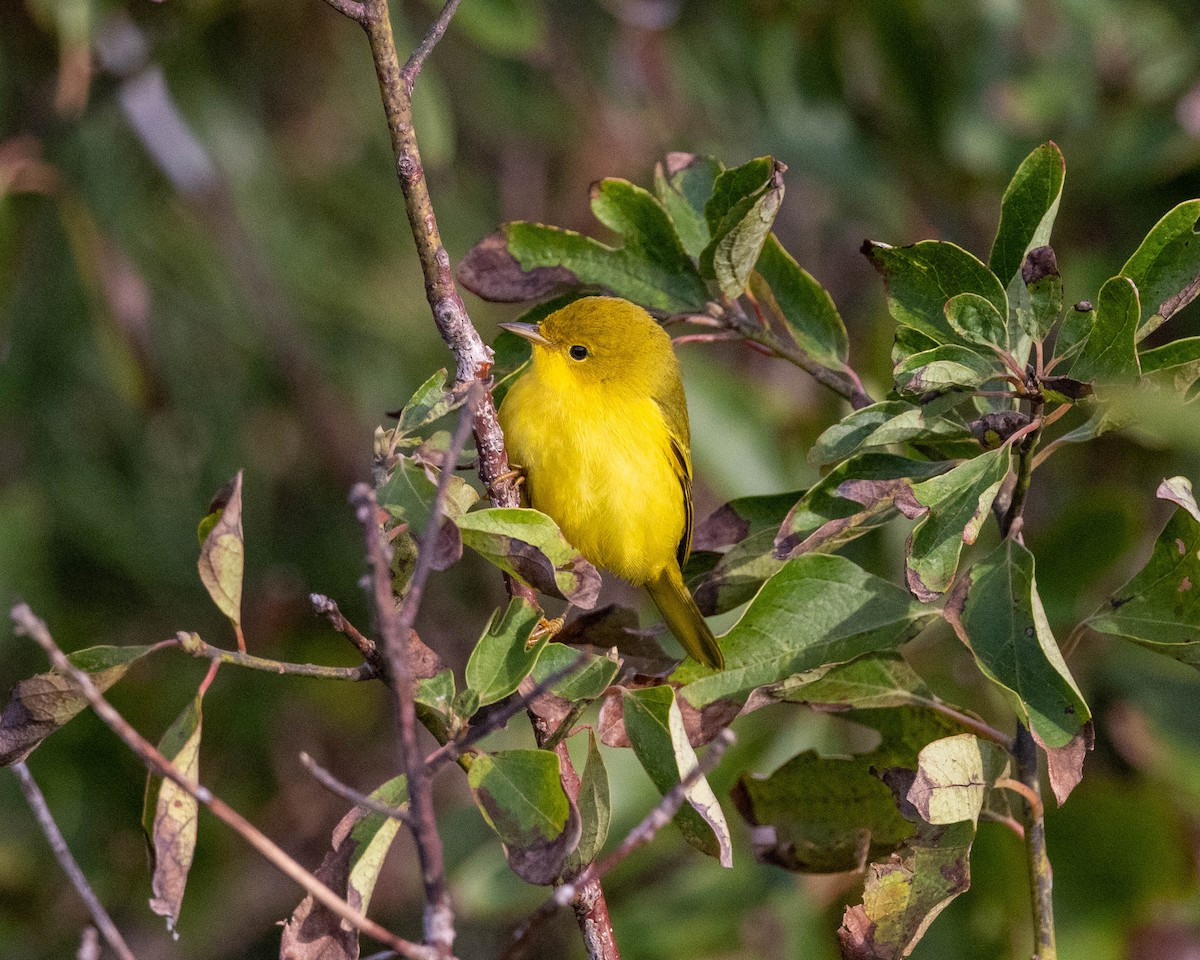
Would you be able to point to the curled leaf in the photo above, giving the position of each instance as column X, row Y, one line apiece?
column 223, row 550
column 170, row 815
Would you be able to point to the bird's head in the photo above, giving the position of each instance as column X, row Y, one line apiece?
column 600, row 340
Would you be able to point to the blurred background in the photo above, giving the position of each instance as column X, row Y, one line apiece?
column 205, row 265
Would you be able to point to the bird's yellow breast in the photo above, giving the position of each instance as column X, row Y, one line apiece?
column 598, row 460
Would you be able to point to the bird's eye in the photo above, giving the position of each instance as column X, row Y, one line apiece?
column 579, row 352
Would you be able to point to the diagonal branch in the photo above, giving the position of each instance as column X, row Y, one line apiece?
column 639, row 836
column 58, row 843
column 28, row 624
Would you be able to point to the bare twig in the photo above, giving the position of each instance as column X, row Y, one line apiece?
column 436, row 31
column 28, row 624
column 190, row 643
column 89, row 945
column 324, row 606
column 846, row 385
column 58, row 843
column 1041, row 878
column 394, row 628
column 1028, row 436
column 978, row 727
column 453, row 749
column 1005, row 821
column 334, row 785
column 639, row 836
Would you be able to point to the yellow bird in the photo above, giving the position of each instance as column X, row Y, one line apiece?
column 598, row 421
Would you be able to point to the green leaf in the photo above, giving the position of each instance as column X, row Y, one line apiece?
column 908, row 341
column 953, row 778
column 595, row 810
column 39, row 705
column 1175, row 365
column 223, row 551
column 1107, row 335
column 522, row 799
column 529, row 546
column 651, row 268
column 976, row 320
column 818, row 610
column 1039, row 293
column 170, row 815
column 1160, row 607
column 958, row 503
column 435, row 703
column 655, row 728
column 432, row 400
column 740, row 214
column 683, row 187
column 882, row 424
column 996, row 611
column 409, row 494
column 767, row 541
column 361, row 841
column 586, row 683
column 877, row 680
column 820, row 814
column 1166, row 267
column 790, row 292
column 947, row 367
column 1028, row 209
column 921, row 278
column 503, row 657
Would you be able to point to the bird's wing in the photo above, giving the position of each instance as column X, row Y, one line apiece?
column 674, row 411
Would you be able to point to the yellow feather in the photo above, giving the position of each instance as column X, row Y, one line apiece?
column 599, row 423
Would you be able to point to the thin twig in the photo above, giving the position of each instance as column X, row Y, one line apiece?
column 28, row 624
column 436, row 31
column 1013, row 520
column 1005, row 821
column 453, row 749
column 394, row 628
column 190, row 643
column 62, row 853
column 1030, row 795
column 351, row 8
column 327, row 608
column 639, row 836
column 767, row 338
column 334, row 785
column 1041, row 878
column 978, row 727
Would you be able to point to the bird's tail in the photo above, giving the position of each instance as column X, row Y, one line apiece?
column 681, row 614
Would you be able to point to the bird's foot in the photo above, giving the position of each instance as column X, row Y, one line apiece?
column 547, row 628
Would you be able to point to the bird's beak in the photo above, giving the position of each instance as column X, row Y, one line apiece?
column 529, row 331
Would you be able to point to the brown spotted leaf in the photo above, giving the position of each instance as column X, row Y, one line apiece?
column 170, row 815
column 529, row 546
column 360, row 842
column 41, row 704
column 521, row 797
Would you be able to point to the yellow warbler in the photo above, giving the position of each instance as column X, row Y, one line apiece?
column 599, row 423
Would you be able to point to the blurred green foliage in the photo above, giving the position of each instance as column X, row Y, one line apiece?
column 247, row 297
